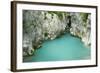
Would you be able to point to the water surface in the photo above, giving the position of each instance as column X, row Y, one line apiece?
column 67, row 47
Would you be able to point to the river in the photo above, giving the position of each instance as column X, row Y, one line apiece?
column 67, row 47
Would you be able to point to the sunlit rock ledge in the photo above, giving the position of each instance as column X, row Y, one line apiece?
column 39, row 26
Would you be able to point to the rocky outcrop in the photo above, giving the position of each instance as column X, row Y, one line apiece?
column 39, row 26
column 81, row 27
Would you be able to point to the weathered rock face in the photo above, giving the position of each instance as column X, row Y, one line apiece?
column 81, row 27
column 43, row 25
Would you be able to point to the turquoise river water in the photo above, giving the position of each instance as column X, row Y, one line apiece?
column 67, row 47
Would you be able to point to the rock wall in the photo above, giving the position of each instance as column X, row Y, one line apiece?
column 81, row 27
column 39, row 26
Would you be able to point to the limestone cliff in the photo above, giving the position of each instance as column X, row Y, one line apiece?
column 39, row 26
column 81, row 27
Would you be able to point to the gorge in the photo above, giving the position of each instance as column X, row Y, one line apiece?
column 40, row 27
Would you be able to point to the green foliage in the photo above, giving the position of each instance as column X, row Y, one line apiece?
column 84, row 16
column 58, row 13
